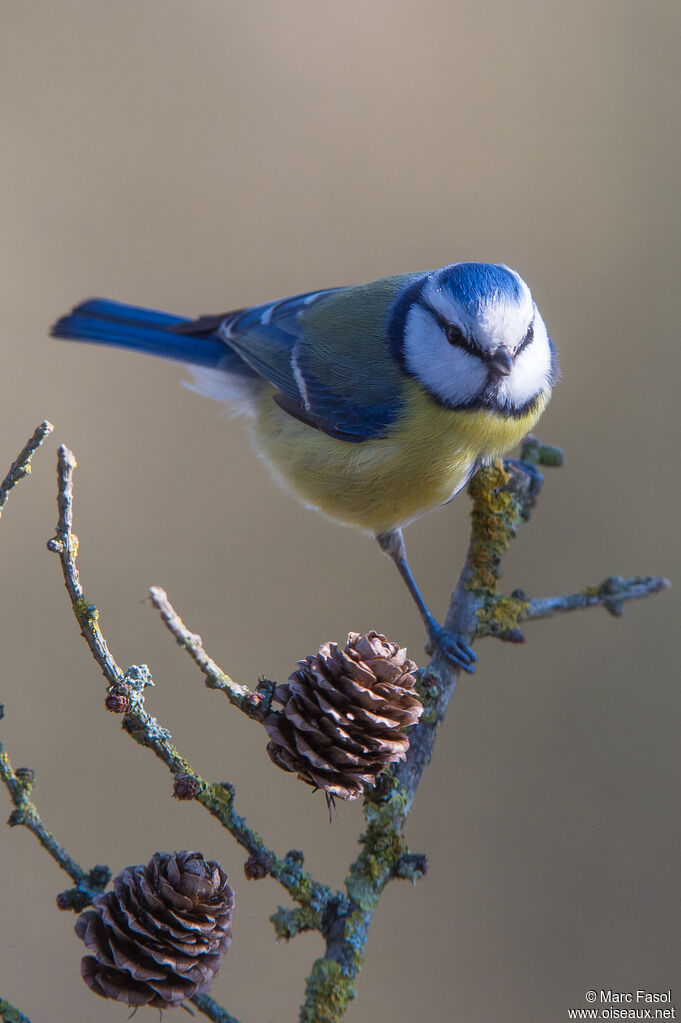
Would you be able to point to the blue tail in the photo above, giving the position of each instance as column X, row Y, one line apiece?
column 145, row 330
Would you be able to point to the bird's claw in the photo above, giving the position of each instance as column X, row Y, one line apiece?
column 528, row 469
column 452, row 646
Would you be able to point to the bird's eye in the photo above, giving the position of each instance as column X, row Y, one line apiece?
column 456, row 336
column 527, row 340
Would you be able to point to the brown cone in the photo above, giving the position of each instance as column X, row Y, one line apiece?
column 159, row 936
column 343, row 714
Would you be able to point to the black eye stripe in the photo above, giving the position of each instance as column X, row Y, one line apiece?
column 456, row 337
column 454, row 334
column 527, row 340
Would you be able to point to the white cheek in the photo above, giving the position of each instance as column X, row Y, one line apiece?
column 531, row 370
column 450, row 373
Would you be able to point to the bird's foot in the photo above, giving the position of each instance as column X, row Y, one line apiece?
column 527, row 469
column 451, row 645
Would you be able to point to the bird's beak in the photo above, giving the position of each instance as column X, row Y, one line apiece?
column 500, row 363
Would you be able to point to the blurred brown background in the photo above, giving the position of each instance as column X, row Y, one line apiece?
column 200, row 156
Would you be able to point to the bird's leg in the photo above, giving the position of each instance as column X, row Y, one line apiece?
column 450, row 644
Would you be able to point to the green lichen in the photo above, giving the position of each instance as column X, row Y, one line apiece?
column 289, row 922
column 328, row 993
column 495, row 517
column 8, row 1014
column 382, row 844
column 304, row 890
column 219, row 793
column 500, row 616
column 427, row 688
column 85, row 612
column 536, row 452
column 354, row 940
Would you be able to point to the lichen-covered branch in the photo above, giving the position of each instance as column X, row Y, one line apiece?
column 8, row 1014
column 610, row 594
column 21, row 466
column 210, row 1008
column 503, row 496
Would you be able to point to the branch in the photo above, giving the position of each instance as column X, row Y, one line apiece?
column 218, row 799
column 8, row 1014
column 503, row 497
column 254, row 704
column 209, row 1007
column 21, row 466
column 20, row 784
column 610, row 594
column 65, row 544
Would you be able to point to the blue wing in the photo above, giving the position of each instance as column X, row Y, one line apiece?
column 265, row 336
column 328, row 356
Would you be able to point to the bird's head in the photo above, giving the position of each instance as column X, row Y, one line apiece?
column 471, row 334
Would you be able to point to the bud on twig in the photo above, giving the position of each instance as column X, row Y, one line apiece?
column 257, row 866
column 185, row 786
column 117, row 703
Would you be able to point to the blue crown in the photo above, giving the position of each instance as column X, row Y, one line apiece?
column 472, row 284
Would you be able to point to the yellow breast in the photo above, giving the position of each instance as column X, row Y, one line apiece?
column 385, row 483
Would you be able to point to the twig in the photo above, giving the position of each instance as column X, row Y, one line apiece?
column 19, row 784
column 65, row 544
column 251, row 703
column 610, row 594
column 145, row 729
column 21, row 466
column 19, row 787
column 218, row 799
column 8, row 1014
column 209, row 1007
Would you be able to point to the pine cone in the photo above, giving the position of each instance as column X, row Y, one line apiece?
column 343, row 714
column 158, row 937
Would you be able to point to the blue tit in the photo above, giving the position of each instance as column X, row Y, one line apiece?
column 374, row 404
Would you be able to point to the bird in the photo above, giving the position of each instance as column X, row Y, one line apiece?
column 373, row 403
